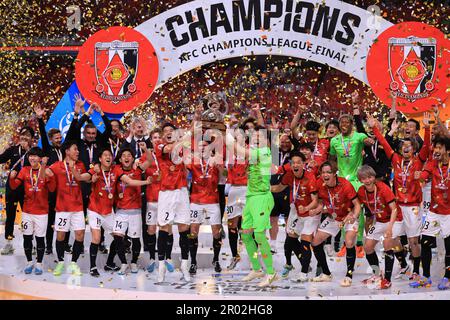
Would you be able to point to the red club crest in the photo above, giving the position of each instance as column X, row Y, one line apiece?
column 410, row 59
column 117, row 68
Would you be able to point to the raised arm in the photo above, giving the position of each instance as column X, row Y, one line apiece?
column 439, row 123
column 357, row 113
column 238, row 144
column 386, row 146
column 40, row 112
column 135, row 183
column 425, row 150
column 74, row 132
column 393, row 112
column 259, row 117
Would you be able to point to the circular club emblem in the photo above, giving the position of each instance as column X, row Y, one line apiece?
column 411, row 60
column 117, row 68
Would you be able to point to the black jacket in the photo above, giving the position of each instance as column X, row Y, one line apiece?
column 15, row 156
column 85, row 147
column 381, row 164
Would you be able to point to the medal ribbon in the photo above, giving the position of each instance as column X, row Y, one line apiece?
column 34, row 184
column 441, row 173
column 114, row 146
column 107, row 181
column 295, row 191
column 347, row 147
column 91, row 153
column 331, row 202
column 405, row 172
column 283, row 158
column 68, row 175
column 59, row 154
column 374, row 200
column 205, row 169
column 374, row 149
column 156, row 162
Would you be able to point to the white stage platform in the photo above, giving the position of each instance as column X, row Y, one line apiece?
column 206, row 284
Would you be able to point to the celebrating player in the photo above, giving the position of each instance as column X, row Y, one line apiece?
column 259, row 203
column 408, row 190
column 35, row 210
column 437, row 221
column 339, row 198
column 380, row 200
column 204, row 206
column 301, row 223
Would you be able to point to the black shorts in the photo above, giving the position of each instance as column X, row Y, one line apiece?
column 282, row 204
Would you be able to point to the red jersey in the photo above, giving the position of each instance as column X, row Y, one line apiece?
column 321, row 150
column 237, row 174
column 337, row 199
column 173, row 176
column 128, row 197
column 68, row 195
column 379, row 208
column 440, row 186
column 204, row 183
column 36, row 190
column 99, row 200
column 152, row 190
column 301, row 189
column 408, row 190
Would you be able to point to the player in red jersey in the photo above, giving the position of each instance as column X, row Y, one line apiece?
column 380, row 200
column 104, row 181
column 301, row 222
column 321, row 146
column 35, row 208
column 311, row 165
column 128, row 218
column 173, row 199
column 338, row 196
column 407, row 189
column 437, row 221
column 237, row 167
column 69, row 206
column 205, row 168
column 152, row 192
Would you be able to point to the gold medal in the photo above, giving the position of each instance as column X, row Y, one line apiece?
column 172, row 168
column 91, row 165
column 100, row 194
column 121, row 195
column 110, row 196
column 159, row 177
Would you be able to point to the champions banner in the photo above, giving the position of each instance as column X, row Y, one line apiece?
column 119, row 68
column 333, row 33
